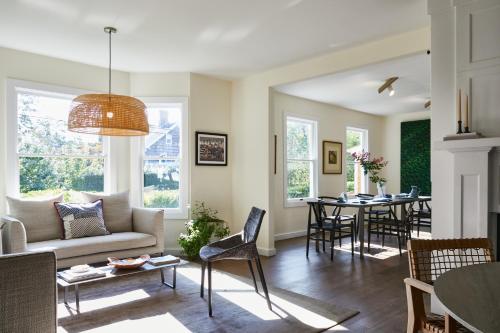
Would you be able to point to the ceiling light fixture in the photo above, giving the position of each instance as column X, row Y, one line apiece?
column 388, row 85
column 108, row 114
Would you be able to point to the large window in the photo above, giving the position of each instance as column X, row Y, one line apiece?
column 356, row 141
column 44, row 157
column 164, row 156
column 300, row 160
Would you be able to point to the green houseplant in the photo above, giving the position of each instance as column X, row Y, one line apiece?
column 204, row 226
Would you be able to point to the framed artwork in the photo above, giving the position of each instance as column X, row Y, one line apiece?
column 211, row 148
column 332, row 157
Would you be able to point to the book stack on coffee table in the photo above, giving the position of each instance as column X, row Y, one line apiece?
column 75, row 275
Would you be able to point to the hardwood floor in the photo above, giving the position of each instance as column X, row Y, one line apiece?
column 373, row 286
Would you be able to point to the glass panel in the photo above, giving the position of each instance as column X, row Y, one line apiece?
column 299, row 140
column 354, row 175
column 43, row 128
column 161, row 183
column 299, row 179
column 44, row 177
column 164, row 132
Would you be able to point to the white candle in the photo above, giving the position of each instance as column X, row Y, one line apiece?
column 466, row 110
column 459, row 105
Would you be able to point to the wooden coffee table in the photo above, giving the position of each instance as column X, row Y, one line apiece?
column 112, row 273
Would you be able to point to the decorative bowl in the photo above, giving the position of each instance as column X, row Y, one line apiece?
column 129, row 263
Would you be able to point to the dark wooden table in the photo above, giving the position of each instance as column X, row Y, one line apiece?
column 361, row 205
column 471, row 295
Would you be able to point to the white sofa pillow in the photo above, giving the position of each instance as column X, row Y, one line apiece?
column 116, row 209
column 39, row 217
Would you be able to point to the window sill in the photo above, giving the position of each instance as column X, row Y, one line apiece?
column 296, row 203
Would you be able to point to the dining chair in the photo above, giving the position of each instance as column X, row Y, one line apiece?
column 374, row 213
column 337, row 225
column 428, row 260
column 422, row 217
column 392, row 226
column 241, row 246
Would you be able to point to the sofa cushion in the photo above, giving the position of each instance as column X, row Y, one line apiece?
column 39, row 217
column 81, row 219
column 76, row 247
column 116, row 209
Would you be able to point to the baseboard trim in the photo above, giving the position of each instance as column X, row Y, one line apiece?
column 175, row 251
column 288, row 235
column 267, row 252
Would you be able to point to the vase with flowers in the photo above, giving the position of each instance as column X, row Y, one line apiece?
column 372, row 167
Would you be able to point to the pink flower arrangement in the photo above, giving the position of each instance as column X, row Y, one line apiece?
column 370, row 166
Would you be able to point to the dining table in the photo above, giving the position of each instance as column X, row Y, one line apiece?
column 471, row 295
column 361, row 205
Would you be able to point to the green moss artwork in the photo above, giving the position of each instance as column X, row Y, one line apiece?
column 416, row 156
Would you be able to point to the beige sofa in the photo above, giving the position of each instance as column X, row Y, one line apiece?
column 34, row 226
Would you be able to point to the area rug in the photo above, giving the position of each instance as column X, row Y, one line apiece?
column 140, row 303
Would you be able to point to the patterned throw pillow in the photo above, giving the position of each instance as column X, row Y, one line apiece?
column 81, row 219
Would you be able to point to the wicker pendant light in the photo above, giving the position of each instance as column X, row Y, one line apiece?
column 108, row 114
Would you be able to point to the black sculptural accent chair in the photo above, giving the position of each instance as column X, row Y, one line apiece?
column 241, row 246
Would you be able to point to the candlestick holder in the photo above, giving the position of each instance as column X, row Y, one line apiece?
column 459, row 127
column 466, row 129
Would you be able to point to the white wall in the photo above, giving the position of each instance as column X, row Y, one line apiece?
column 209, row 110
column 392, row 146
column 332, row 122
column 253, row 123
column 30, row 67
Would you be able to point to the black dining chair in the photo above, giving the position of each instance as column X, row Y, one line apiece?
column 337, row 225
column 242, row 246
column 374, row 214
column 422, row 216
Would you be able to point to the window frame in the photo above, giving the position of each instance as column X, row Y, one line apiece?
column 12, row 174
column 364, row 146
column 299, row 202
column 138, row 158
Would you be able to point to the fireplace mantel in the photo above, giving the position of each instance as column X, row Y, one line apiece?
column 467, row 145
column 476, row 185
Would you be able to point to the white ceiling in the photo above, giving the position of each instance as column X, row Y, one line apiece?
column 222, row 37
column 357, row 89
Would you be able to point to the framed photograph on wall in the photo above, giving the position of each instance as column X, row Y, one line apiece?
column 211, row 148
column 332, row 157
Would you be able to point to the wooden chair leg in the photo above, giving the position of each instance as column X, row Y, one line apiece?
column 332, row 243
column 307, row 242
column 416, row 309
column 340, row 238
column 209, row 288
column 323, row 239
column 263, row 281
column 399, row 231
column 383, row 235
column 369, row 234
column 202, row 285
column 253, row 275
column 352, row 238
column 450, row 324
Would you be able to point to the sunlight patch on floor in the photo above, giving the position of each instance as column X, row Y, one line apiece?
column 149, row 324
column 244, row 296
column 376, row 251
column 98, row 303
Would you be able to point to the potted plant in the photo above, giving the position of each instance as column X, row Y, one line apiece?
column 204, row 227
column 372, row 166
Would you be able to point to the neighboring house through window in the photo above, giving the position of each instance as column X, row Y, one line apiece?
column 356, row 141
column 164, row 156
column 301, row 158
column 44, row 157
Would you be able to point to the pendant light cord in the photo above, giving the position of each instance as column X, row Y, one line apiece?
column 109, row 69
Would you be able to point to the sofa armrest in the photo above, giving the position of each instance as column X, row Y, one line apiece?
column 28, row 286
column 13, row 235
column 149, row 221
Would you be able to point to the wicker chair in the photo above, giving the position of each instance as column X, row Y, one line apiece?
column 428, row 260
column 241, row 246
